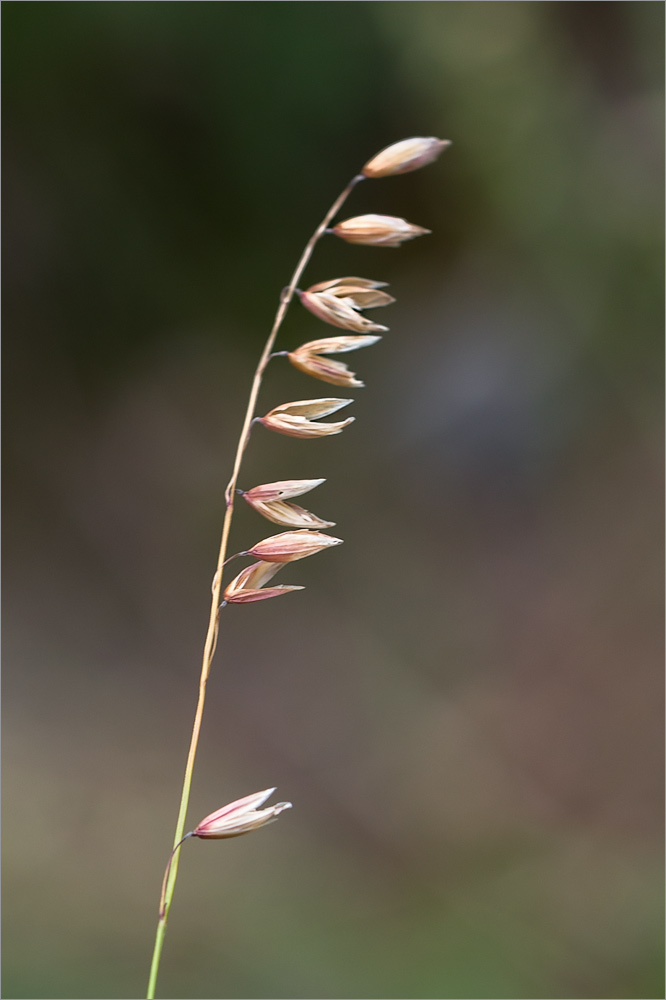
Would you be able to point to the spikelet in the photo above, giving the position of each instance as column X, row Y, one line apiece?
column 270, row 500
column 298, row 419
column 406, row 155
column 363, row 293
column 292, row 545
column 339, row 302
column 248, row 586
column 377, row 230
column 283, row 490
column 307, row 359
column 241, row 816
column 338, row 312
column 290, row 515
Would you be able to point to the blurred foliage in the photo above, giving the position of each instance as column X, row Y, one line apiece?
column 465, row 706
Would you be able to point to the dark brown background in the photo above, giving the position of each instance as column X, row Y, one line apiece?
column 465, row 703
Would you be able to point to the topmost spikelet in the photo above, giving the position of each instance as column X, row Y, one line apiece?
column 401, row 157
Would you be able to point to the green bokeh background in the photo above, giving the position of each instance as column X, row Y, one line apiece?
column 465, row 703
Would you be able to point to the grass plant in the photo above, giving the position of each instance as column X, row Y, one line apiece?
column 340, row 303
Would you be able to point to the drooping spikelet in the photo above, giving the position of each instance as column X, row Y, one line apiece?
column 241, row 816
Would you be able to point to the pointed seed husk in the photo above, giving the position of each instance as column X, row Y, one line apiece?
column 282, row 490
column 293, row 419
column 292, row 545
column 288, row 514
column 377, row 230
column 248, row 586
column 404, row 156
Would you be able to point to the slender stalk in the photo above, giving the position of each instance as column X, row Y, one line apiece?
column 213, row 622
column 168, row 869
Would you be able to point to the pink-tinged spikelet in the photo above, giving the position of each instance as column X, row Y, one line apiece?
column 292, row 545
column 298, row 419
column 241, row 816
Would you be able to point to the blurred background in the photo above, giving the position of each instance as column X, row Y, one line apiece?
column 465, row 704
